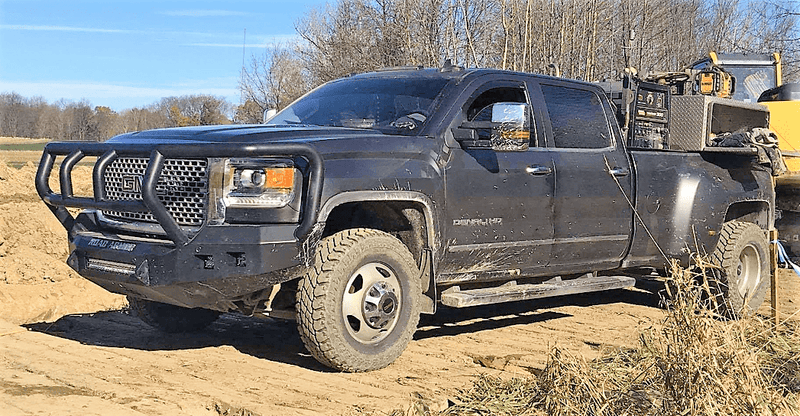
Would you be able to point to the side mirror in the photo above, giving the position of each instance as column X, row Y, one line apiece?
column 502, row 127
column 467, row 135
column 268, row 114
column 511, row 131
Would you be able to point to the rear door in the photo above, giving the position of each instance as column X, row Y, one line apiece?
column 592, row 218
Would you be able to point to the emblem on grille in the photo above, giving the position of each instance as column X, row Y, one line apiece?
column 182, row 187
column 132, row 183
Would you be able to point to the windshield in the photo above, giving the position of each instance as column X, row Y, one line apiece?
column 751, row 81
column 392, row 105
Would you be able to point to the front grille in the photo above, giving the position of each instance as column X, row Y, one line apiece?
column 182, row 188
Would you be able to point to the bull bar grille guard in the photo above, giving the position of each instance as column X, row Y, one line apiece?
column 157, row 154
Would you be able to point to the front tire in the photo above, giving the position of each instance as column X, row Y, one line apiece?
column 171, row 318
column 359, row 305
column 742, row 255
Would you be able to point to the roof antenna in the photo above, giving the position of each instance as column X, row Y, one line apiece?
column 244, row 44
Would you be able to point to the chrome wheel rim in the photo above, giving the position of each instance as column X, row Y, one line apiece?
column 371, row 303
column 748, row 271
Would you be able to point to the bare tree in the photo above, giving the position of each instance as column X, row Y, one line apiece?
column 108, row 123
column 138, row 119
column 272, row 81
column 12, row 114
column 586, row 39
column 248, row 113
column 81, row 123
column 194, row 110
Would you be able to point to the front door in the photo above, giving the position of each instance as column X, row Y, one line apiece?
column 498, row 204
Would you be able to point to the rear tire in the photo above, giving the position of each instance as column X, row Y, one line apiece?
column 359, row 305
column 743, row 278
column 171, row 318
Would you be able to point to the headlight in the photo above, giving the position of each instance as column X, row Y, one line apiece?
column 259, row 183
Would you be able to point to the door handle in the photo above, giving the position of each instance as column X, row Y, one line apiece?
column 539, row 170
column 619, row 171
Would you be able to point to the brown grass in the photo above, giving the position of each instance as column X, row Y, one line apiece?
column 693, row 364
column 21, row 140
column 18, row 159
column 18, row 151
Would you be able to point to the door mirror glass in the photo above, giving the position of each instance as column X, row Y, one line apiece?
column 511, row 130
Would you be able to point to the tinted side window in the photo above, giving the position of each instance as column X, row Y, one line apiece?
column 480, row 107
column 494, row 95
column 577, row 118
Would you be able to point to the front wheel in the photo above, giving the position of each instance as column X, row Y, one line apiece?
column 742, row 255
column 359, row 305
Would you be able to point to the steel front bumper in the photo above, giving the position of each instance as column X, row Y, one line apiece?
column 217, row 265
column 208, row 268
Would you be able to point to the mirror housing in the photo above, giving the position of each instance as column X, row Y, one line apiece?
column 467, row 136
column 268, row 114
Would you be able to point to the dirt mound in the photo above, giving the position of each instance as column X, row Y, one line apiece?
column 30, row 225
column 32, row 266
column 17, row 182
column 35, row 282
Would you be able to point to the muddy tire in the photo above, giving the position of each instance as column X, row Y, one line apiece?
column 171, row 318
column 359, row 305
column 743, row 278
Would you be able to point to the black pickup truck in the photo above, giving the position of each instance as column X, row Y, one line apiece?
column 381, row 196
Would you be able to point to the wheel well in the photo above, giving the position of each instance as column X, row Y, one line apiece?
column 756, row 212
column 402, row 219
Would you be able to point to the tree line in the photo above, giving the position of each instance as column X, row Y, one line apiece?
column 582, row 39
column 66, row 120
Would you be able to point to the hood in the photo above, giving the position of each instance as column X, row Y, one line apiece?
column 330, row 142
column 243, row 134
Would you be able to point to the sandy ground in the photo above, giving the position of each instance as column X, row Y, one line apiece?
column 69, row 347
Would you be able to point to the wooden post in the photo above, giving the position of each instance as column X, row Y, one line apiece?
column 773, row 261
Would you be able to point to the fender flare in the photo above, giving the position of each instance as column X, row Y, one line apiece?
column 427, row 261
column 363, row 196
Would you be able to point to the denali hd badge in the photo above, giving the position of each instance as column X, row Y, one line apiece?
column 474, row 222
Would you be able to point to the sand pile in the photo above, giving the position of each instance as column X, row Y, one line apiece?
column 35, row 282
column 16, row 183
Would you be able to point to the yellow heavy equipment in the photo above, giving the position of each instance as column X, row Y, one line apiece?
column 758, row 78
column 784, row 111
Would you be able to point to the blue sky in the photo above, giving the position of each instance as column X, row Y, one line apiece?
column 131, row 53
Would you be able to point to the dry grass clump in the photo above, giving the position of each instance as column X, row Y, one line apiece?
column 496, row 396
column 694, row 364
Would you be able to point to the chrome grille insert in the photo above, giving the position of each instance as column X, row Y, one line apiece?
column 182, row 188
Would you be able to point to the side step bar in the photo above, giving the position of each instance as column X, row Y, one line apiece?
column 510, row 292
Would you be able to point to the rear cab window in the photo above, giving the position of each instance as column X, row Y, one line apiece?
column 577, row 118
